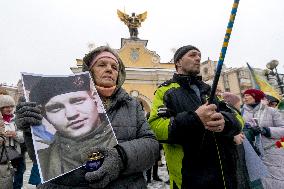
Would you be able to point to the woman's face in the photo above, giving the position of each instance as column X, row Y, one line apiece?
column 7, row 110
column 248, row 99
column 105, row 72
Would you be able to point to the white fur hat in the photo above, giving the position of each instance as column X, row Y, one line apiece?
column 6, row 100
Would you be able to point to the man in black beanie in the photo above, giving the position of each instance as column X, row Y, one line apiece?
column 197, row 136
column 182, row 51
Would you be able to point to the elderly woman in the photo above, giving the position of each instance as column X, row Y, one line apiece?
column 13, row 136
column 268, row 127
column 137, row 147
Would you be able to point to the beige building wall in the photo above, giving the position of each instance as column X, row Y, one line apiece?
column 134, row 54
column 234, row 82
column 144, row 92
column 12, row 90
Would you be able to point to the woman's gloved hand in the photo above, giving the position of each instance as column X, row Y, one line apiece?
column 109, row 170
column 27, row 114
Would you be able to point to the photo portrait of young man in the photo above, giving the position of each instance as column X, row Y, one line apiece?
column 71, row 105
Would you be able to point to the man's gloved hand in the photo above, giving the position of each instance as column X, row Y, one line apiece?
column 265, row 131
column 256, row 130
column 108, row 171
column 165, row 112
column 27, row 114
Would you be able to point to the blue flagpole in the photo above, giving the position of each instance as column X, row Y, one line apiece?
column 223, row 50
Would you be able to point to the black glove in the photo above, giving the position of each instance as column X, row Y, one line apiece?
column 27, row 114
column 265, row 131
column 72, row 179
column 165, row 112
column 256, row 130
column 109, row 170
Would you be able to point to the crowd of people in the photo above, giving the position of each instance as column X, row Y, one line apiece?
column 219, row 145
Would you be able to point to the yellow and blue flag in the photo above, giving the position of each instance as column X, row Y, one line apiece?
column 263, row 85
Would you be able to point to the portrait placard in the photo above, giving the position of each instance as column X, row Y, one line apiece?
column 74, row 121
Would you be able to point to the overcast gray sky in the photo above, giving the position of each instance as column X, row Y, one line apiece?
column 46, row 37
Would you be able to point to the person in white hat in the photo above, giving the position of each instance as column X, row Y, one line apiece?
column 12, row 135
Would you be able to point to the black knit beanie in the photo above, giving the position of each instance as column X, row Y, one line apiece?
column 182, row 51
column 49, row 87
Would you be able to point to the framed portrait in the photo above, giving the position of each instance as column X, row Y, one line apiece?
column 74, row 120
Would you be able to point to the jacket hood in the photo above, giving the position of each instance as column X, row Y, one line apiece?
column 91, row 55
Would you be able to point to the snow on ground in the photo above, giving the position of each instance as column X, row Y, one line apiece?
column 163, row 174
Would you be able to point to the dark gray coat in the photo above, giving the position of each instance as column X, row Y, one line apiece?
column 134, row 137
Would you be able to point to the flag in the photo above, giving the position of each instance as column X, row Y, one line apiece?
column 263, row 85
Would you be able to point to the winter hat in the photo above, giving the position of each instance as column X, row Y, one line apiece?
column 231, row 98
column 6, row 100
column 182, row 51
column 104, row 54
column 49, row 87
column 87, row 60
column 258, row 95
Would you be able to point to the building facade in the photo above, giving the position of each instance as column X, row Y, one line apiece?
column 12, row 90
column 144, row 71
column 234, row 80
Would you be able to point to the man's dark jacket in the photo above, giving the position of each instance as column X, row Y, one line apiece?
column 196, row 158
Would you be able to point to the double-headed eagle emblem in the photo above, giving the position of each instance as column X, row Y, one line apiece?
column 133, row 22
